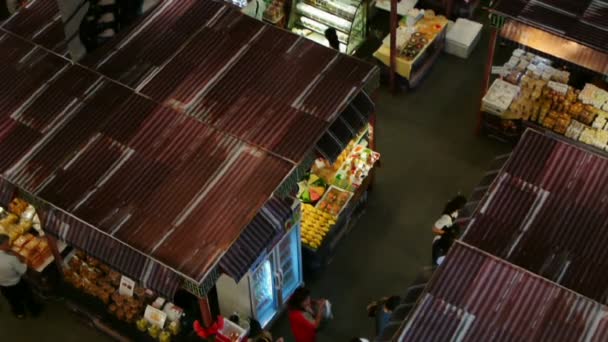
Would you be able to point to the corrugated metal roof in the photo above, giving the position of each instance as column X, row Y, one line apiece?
column 553, row 45
column 138, row 170
column 40, row 22
column 474, row 296
column 256, row 82
column 267, row 227
column 583, row 21
column 546, row 212
column 145, row 175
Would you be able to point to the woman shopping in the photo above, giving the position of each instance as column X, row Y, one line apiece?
column 305, row 315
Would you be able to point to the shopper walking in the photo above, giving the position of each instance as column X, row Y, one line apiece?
column 442, row 245
column 332, row 38
column 12, row 287
column 382, row 310
column 257, row 334
column 305, row 315
column 448, row 216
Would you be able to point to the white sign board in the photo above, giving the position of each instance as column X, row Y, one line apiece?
column 155, row 316
column 127, row 286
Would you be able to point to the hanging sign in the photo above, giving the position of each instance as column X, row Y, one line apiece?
column 497, row 21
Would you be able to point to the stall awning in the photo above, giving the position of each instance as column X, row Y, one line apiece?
column 581, row 21
column 216, row 112
column 546, row 212
column 557, row 46
column 346, row 127
column 474, row 296
column 266, row 228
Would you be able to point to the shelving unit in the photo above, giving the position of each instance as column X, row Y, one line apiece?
column 310, row 18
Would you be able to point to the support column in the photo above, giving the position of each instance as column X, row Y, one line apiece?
column 206, row 317
column 393, row 53
column 58, row 258
column 449, row 5
column 486, row 77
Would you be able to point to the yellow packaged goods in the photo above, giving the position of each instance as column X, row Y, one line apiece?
column 315, row 225
column 562, row 123
column 10, row 219
column 18, row 206
column 22, row 240
column 32, row 244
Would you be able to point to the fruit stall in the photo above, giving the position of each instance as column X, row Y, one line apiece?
column 333, row 196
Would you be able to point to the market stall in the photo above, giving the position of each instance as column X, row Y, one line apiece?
column 159, row 197
column 546, row 74
column 333, row 196
column 312, row 18
column 420, row 39
column 20, row 221
column 257, row 283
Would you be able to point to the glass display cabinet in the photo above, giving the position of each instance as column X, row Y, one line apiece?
column 310, row 18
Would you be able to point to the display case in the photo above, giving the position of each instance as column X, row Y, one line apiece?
column 310, row 18
column 264, row 292
column 289, row 264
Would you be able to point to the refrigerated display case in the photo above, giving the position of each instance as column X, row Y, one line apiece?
column 265, row 290
column 289, row 263
column 310, row 18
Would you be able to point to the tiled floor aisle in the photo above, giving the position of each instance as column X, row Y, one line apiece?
column 429, row 153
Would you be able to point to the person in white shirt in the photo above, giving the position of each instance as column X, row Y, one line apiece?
column 12, row 287
column 448, row 216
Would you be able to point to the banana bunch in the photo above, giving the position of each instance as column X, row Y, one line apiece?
column 315, row 225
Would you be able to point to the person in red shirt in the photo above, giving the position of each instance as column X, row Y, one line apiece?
column 303, row 319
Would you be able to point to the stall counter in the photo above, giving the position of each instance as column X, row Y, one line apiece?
column 403, row 66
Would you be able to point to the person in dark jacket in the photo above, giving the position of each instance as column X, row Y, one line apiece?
column 332, row 37
column 442, row 245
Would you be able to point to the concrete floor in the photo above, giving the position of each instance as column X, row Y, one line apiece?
column 429, row 153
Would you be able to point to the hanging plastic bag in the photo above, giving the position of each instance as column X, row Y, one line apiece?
column 327, row 313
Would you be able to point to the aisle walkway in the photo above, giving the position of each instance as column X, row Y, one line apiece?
column 428, row 154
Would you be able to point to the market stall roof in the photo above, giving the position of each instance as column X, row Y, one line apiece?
column 158, row 181
column 132, row 168
column 582, row 21
column 546, row 212
column 41, row 23
column 474, row 296
column 557, row 46
column 254, row 81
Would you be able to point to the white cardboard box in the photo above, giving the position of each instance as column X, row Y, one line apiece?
column 499, row 97
column 462, row 37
